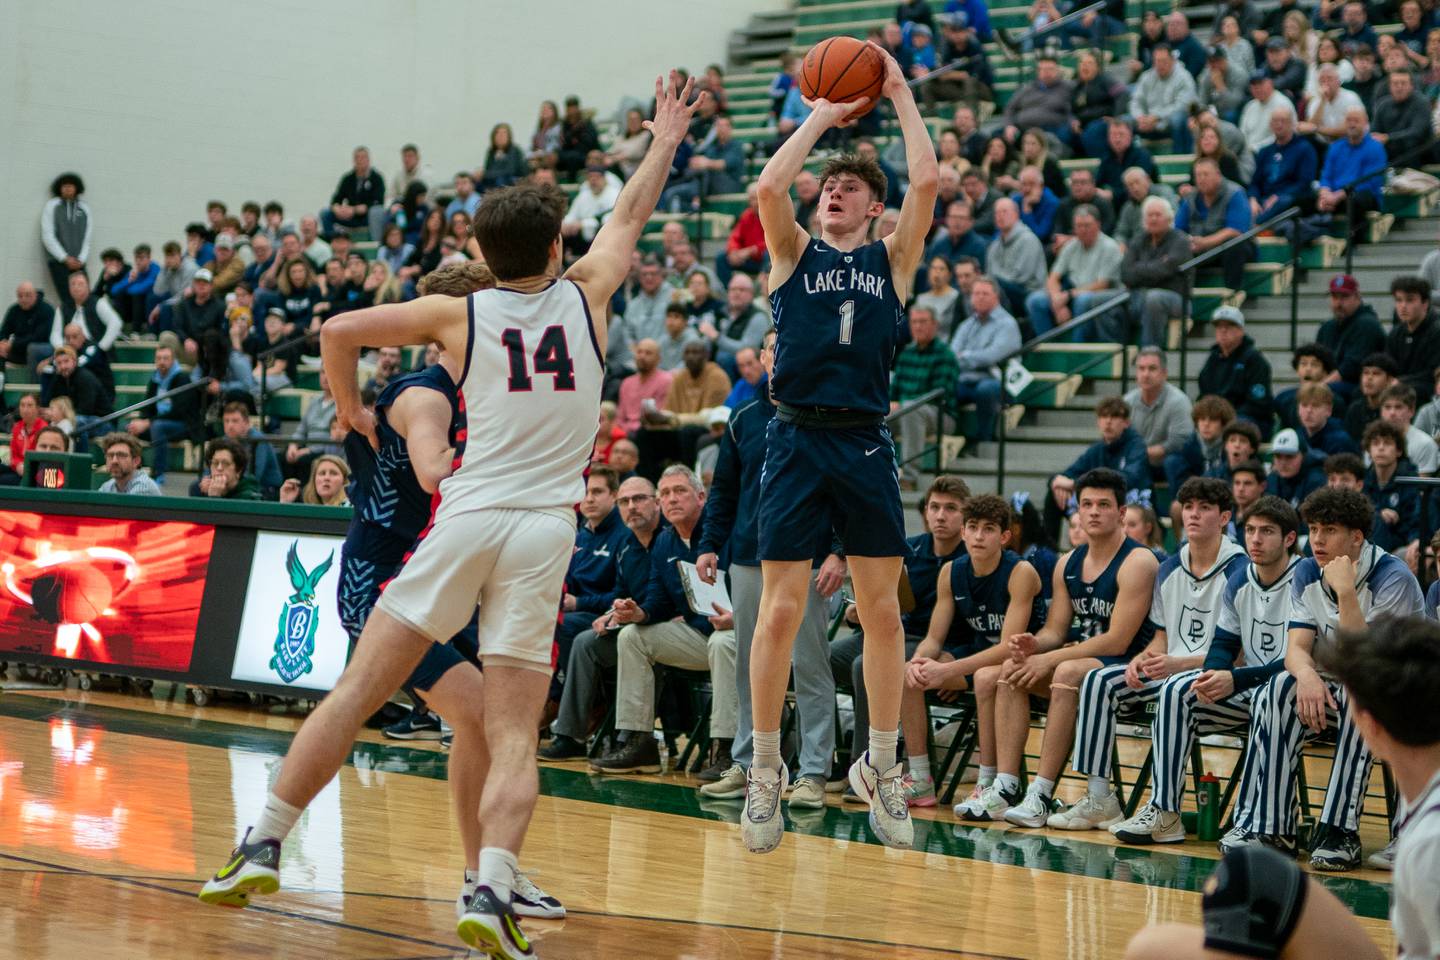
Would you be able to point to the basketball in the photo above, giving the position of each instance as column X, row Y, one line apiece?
column 72, row 594
column 842, row 69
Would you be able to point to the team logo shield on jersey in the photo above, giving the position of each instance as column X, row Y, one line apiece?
column 1194, row 627
column 299, row 618
column 1266, row 637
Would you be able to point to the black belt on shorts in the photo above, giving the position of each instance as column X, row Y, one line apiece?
column 826, row 418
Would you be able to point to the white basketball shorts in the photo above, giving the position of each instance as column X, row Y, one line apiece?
column 509, row 563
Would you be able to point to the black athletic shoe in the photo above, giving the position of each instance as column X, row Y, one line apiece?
column 489, row 925
column 418, row 725
column 562, row 747
column 639, row 754
column 721, row 763
column 1335, row 850
column 253, row 868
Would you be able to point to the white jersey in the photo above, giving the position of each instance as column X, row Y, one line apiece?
column 530, row 391
column 1384, row 586
column 1257, row 614
column 1417, row 877
column 1186, row 605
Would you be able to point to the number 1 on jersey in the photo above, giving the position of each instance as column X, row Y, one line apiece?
column 847, row 320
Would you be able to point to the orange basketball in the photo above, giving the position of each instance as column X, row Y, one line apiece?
column 842, row 69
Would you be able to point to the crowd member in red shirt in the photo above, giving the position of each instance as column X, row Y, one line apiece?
column 746, row 249
column 648, row 382
column 27, row 429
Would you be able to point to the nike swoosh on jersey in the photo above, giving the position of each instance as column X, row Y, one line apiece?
column 875, row 450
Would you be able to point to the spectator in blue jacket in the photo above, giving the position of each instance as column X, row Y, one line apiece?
column 662, row 628
column 1397, row 506
column 1121, row 448
column 1038, row 206
column 1293, row 476
column 1346, row 161
column 1321, row 432
column 1205, row 448
column 590, row 580
column 131, row 291
column 985, row 338
column 1214, row 213
column 1284, row 169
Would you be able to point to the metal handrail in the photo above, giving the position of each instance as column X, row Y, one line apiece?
column 264, row 355
column 1119, row 300
column 148, row 401
column 937, row 398
column 1069, row 17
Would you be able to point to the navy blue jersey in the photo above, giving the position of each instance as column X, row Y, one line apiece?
column 387, row 494
column 981, row 602
column 922, row 569
column 1093, row 603
column 837, row 324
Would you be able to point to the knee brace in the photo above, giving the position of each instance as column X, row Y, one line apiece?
column 1253, row 902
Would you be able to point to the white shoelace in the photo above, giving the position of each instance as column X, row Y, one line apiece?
column 891, row 791
column 763, row 797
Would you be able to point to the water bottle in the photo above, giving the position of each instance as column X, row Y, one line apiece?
column 1207, row 799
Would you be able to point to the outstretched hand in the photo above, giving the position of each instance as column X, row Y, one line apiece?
column 673, row 108
column 894, row 77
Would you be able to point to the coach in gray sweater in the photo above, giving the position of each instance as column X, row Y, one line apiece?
column 1159, row 411
column 1016, row 258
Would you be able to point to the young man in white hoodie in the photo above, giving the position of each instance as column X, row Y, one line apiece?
column 1184, row 610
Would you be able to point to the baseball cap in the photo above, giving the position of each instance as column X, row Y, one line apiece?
column 595, row 168
column 1344, row 283
column 277, row 312
column 203, row 274
column 1286, row 441
column 1276, row 43
column 224, row 242
column 1228, row 314
column 719, row 416
column 340, row 232
column 1258, row 75
column 958, row 19
column 920, row 28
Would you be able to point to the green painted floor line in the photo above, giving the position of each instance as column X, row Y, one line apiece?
column 1009, row 847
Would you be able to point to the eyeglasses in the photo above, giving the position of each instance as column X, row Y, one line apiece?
column 639, row 498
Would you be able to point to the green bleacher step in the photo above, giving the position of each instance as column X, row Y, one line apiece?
column 1086, row 359
column 1409, row 206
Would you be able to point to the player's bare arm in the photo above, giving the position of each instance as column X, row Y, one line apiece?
column 917, row 211
column 439, row 318
column 601, row 271
column 784, row 238
column 1056, row 631
column 422, row 417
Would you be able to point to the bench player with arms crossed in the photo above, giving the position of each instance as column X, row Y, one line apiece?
column 504, row 528
column 838, row 303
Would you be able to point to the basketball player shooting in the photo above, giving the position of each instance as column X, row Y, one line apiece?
column 838, row 303
column 502, row 533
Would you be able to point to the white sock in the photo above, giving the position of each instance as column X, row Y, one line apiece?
column 1099, row 787
column 920, row 767
column 882, row 748
column 1007, row 783
column 767, row 749
column 986, row 777
column 276, row 820
column 497, row 871
column 1043, row 786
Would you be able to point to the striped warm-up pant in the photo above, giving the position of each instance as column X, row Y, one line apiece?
column 1267, row 802
column 1103, row 696
column 1179, row 719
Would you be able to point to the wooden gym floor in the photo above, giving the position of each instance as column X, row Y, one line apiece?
column 115, row 808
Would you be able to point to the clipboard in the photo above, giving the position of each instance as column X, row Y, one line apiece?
column 702, row 596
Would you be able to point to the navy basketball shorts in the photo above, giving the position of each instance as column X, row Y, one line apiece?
column 819, row 479
column 370, row 557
